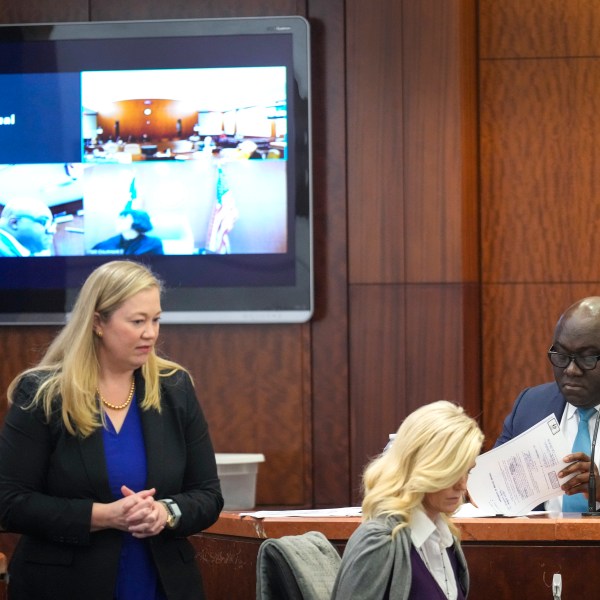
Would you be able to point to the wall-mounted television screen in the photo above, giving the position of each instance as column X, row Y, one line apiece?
column 183, row 144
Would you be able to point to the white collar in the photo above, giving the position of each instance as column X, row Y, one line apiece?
column 571, row 410
column 422, row 528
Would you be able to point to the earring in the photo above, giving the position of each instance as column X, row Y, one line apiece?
column 99, row 333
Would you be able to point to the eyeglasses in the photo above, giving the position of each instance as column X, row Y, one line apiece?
column 46, row 222
column 562, row 361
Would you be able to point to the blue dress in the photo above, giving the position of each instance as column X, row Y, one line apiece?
column 126, row 464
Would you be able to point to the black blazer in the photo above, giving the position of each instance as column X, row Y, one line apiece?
column 49, row 480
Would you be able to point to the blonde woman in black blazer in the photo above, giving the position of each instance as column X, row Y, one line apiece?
column 63, row 485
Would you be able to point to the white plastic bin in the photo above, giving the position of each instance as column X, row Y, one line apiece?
column 238, row 473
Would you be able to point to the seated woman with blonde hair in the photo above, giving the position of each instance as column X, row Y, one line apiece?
column 407, row 547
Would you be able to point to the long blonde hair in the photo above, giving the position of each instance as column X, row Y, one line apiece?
column 69, row 370
column 433, row 448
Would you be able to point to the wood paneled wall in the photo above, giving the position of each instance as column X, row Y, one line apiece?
column 397, row 258
column 412, row 206
column 540, row 211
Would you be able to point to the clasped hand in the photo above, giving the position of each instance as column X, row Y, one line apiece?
column 140, row 514
column 578, row 484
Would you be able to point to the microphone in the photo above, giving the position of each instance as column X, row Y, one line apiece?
column 556, row 586
column 592, row 512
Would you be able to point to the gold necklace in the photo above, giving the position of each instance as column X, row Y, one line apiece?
column 119, row 406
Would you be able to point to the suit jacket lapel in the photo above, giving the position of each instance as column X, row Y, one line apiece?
column 92, row 455
column 558, row 404
column 153, row 427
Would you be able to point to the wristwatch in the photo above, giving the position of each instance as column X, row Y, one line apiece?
column 173, row 512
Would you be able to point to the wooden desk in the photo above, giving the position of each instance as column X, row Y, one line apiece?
column 509, row 558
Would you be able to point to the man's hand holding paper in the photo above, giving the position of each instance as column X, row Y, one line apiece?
column 526, row 471
column 577, row 474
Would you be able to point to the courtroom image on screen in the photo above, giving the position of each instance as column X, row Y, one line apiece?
column 211, row 206
column 202, row 152
column 182, row 114
column 191, row 207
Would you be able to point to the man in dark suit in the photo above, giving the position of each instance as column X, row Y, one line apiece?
column 574, row 356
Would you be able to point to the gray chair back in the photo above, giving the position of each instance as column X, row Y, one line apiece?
column 296, row 567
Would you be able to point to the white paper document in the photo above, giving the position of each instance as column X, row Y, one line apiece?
column 468, row 511
column 522, row 473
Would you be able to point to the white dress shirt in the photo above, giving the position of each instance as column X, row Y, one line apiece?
column 432, row 539
column 568, row 425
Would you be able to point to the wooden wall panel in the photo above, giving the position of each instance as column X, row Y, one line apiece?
column 136, row 125
column 375, row 141
column 250, row 381
column 115, row 10
column 20, row 347
column 540, row 161
column 412, row 192
column 413, row 225
column 442, row 353
column 377, row 371
column 43, row 11
column 538, row 28
column 440, row 140
column 329, row 328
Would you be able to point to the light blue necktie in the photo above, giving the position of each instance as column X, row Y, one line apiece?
column 583, row 443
